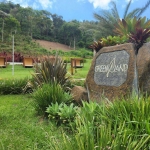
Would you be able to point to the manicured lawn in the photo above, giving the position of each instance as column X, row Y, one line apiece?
column 19, row 72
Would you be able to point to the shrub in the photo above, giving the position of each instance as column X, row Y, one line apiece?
column 118, row 125
column 49, row 72
column 49, row 94
column 62, row 114
column 123, row 124
column 12, row 86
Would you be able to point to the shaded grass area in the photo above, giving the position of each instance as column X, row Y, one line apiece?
column 20, row 128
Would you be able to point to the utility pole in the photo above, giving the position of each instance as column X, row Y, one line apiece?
column 13, row 54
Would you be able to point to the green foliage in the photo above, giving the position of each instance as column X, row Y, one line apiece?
column 62, row 114
column 12, row 86
column 116, row 125
column 108, row 19
column 136, row 29
column 49, row 71
column 122, row 124
column 109, row 41
column 21, row 129
column 49, row 94
column 129, row 25
column 139, row 37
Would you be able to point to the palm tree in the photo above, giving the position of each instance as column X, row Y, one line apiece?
column 109, row 18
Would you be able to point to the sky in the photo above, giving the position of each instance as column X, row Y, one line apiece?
column 80, row 9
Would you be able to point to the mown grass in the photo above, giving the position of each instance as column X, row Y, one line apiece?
column 21, row 72
column 20, row 128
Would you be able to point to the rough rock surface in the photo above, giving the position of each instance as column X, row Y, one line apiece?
column 143, row 67
column 79, row 94
column 111, row 73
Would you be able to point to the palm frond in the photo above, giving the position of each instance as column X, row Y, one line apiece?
column 144, row 8
column 127, row 8
column 114, row 10
column 133, row 13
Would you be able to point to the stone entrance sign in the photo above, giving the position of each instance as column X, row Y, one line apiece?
column 111, row 73
column 111, row 68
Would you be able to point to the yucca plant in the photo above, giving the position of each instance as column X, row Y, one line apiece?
column 49, row 71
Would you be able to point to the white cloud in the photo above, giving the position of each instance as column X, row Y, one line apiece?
column 35, row 4
column 46, row 3
column 104, row 4
column 21, row 2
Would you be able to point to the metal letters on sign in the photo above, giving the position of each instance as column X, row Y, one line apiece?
column 111, row 68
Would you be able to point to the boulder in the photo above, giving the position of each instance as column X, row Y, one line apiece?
column 79, row 94
column 143, row 67
column 112, row 73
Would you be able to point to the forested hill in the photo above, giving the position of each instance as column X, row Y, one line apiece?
column 41, row 24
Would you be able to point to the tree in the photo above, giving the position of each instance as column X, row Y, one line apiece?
column 71, row 32
column 42, row 24
column 57, row 24
column 12, row 24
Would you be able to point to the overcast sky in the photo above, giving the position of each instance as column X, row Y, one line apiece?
column 79, row 9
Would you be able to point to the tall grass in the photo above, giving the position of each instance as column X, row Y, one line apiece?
column 118, row 125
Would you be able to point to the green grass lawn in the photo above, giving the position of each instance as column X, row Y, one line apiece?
column 21, row 72
column 20, row 128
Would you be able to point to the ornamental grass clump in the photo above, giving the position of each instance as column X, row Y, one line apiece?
column 50, row 70
column 49, row 94
column 12, row 86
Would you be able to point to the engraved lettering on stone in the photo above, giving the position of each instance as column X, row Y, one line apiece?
column 111, row 68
